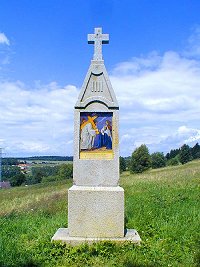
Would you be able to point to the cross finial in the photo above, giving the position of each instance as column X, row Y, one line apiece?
column 98, row 39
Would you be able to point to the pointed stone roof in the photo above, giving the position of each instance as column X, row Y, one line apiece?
column 97, row 86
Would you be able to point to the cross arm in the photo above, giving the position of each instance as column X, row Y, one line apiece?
column 105, row 38
column 91, row 38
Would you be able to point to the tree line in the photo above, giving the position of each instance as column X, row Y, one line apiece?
column 16, row 161
column 41, row 174
column 141, row 159
column 49, row 158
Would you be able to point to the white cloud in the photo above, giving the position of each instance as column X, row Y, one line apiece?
column 193, row 49
column 4, row 39
column 5, row 53
column 37, row 121
column 159, row 106
column 191, row 134
column 183, row 135
column 159, row 97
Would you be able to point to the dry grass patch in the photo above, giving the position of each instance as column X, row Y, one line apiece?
column 32, row 198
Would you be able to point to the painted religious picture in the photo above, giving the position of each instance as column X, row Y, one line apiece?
column 96, row 135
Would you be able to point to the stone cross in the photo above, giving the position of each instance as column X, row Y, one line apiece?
column 98, row 39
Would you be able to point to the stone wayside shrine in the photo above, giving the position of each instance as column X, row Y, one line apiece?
column 96, row 201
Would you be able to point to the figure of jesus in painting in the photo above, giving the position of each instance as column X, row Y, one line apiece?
column 88, row 132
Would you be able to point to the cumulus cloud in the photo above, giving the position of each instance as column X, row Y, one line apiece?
column 174, row 78
column 183, row 135
column 159, row 101
column 37, row 121
column 190, row 134
column 4, row 39
column 158, row 94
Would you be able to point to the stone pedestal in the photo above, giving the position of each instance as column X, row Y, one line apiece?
column 62, row 235
column 96, row 211
column 95, row 214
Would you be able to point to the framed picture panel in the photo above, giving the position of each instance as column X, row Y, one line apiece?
column 96, row 135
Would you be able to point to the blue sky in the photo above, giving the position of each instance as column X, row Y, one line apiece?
column 153, row 60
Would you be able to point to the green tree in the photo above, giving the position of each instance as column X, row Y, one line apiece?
column 128, row 162
column 18, row 179
column 122, row 164
column 196, row 151
column 140, row 160
column 9, row 161
column 38, row 173
column 185, row 154
column 173, row 153
column 65, row 171
column 158, row 160
column 13, row 174
column 174, row 161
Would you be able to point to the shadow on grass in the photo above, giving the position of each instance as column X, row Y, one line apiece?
column 137, row 265
column 132, row 264
column 29, row 263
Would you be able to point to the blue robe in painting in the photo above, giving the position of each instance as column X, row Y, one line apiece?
column 103, row 140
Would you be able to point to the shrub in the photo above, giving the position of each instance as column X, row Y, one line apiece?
column 173, row 162
column 185, row 154
column 158, row 160
column 39, row 173
column 140, row 160
column 13, row 174
column 66, row 171
column 52, row 178
column 122, row 164
column 196, row 151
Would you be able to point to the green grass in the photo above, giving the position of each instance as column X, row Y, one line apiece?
column 163, row 205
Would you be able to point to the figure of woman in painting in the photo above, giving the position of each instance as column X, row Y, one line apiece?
column 106, row 131
column 88, row 133
column 104, row 138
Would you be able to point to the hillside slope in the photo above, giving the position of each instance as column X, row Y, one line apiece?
column 161, row 204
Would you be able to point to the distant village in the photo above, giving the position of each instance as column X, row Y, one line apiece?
column 25, row 166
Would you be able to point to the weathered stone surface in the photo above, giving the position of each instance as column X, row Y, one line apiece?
column 97, row 95
column 104, row 171
column 98, row 39
column 96, row 211
column 62, row 235
column 97, row 88
column 95, row 201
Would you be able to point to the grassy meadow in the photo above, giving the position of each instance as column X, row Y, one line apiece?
column 162, row 204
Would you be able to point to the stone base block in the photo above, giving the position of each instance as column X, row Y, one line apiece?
column 96, row 212
column 62, row 235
